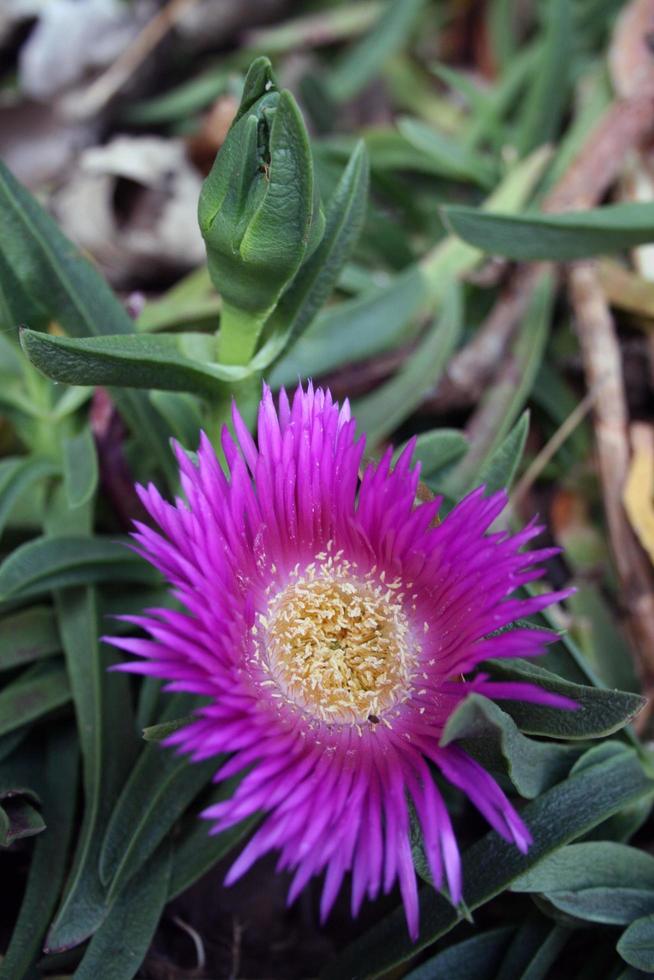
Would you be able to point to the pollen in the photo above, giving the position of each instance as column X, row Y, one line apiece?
column 338, row 643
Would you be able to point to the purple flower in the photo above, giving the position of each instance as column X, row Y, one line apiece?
column 332, row 623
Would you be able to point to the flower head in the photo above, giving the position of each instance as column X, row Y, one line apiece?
column 332, row 623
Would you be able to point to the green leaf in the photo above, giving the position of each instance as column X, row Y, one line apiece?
column 601, row 712
column 365, row 59
column 182, row 413
column 478, row 957
column 319, row 273
column 372, row 323
column 533, row 950
column 196, row 850
column 492, row 737
column 50, row 855
column 499, row 471
column 160, row 787
column 157, row 733
column 180, row 102
column 380, row 413
column 546, row 100
column 80, row 468
column 559, row 816
column 636, row 945
column 72, row 292
column 452, row 157
column 38, row 691
column 170, row 362
column 438, row 448
column 17, row 479
column 21, row 819
column 191, row 302
column 119, row 946
column 47, row 563
column 354, row 329
column 9, row 743
column 560, row 237
column 601, row 881
column 28, row 635
column 104, row 724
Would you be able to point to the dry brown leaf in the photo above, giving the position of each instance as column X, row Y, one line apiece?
column 638, row 494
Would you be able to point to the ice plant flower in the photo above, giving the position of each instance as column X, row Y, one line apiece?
column 333, row 624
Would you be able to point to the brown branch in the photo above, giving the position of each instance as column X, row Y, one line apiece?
column 471, row 369
column 602, row 364
column 624, row 125
column 103, row 89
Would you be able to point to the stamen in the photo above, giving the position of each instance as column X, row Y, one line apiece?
column 338, row 642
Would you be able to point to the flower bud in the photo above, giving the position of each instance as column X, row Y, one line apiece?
column 259, row 211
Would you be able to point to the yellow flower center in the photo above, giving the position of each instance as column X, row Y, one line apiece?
column 338, row 643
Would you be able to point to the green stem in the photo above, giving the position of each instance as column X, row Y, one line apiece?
column 239, row 334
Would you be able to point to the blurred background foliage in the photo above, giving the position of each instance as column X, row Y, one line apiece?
column 491, row 289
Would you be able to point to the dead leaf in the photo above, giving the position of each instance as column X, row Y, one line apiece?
column 638, row 494
column 626, row 290
column 133, row 205
column 71, row 39
column 631, row 54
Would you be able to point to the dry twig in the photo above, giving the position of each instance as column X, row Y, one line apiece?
column 103, row 89
column 602, row 364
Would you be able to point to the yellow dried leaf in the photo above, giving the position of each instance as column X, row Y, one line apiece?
column 638, row 493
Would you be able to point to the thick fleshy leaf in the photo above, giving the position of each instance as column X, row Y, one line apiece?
column 354, row 329
column 559, row 816
column 533, row 950
column 19, row 819
column 108, row 742
column 364, row 60
column 80, row 468
column 68, row 289
column 499, row 471
column 601, row 881
column 600, row 712
column 160, row 787
column 438, row 448
column 371, row 323
column 50, row 856
column 636, row 945
column 47, row 563
column 196, row 851
column 560, row 237
column 381, row 412
column 492, row 737
column 545, row 101
column 157, row 733
column 168, row 362
column 119, row 946
column 28, row 635
column 453, row 158
column 17, row 479
column 183, row 414
column 39, row 690
column 478, row 957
